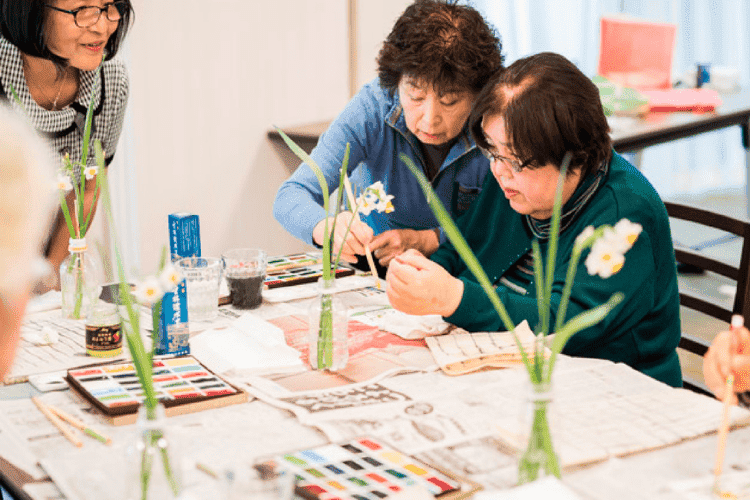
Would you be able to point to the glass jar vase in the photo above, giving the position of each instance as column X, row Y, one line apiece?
column 153, row 470
column 328, row 321
column 539, row 459
column 79, row 280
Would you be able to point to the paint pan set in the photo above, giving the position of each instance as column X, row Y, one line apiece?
column 296, row 269
column 362, row 469
column 182, row 385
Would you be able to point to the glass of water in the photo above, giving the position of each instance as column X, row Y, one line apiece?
column 202, row 277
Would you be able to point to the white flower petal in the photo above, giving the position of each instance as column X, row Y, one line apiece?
column 628, row 232
column 91, row 172
column 605, row 259
column 169, row 277
column 149, row 291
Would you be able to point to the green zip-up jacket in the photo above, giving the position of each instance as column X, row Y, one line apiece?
column 642, row 331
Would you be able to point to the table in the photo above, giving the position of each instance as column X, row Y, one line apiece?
column 653, row 129
column 608, row 413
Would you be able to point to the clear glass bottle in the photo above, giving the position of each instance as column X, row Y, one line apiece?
column 153, row 464
column 328, row 320
column 79, row 280
column 103, row 336
column 538, row 458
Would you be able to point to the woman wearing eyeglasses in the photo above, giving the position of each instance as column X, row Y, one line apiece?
column 49, row 53
column 526, row 119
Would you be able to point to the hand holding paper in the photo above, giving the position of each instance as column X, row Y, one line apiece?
column 416, row 285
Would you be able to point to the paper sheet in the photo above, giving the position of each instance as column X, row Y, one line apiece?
column 249, row 344
column 460, row 352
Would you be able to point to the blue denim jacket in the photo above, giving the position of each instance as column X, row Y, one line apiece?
column 374, row 126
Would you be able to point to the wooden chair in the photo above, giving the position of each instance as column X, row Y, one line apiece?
column 703, row 304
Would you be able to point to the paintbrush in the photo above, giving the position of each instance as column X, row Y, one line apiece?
column 737, row 323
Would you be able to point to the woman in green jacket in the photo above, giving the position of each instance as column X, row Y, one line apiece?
column 526, row 119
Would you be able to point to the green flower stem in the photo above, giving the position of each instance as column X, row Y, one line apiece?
column 78, row 264
column 581, row 321
column 540, row 454
column 325, row 332
column 66, row 214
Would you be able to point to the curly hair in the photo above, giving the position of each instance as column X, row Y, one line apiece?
column 549, row 107
column 448, row 45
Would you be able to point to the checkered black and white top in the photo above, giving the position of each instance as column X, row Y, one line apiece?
column 64, row 128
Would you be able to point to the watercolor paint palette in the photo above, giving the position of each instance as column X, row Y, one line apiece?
column 296, row 269
column 362, row 469
column 182, row 384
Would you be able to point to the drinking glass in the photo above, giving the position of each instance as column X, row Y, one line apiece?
column 245, row 270
column 202, row 276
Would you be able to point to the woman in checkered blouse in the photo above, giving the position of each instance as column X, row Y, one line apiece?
column 49, row 55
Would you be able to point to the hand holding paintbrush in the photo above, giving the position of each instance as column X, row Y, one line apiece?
column 721, row 360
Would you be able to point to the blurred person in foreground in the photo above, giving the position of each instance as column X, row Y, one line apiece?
column 26, row 207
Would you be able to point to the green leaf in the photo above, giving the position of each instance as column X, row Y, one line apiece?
column 578, row 323
column 307, row 159
column 131, row 326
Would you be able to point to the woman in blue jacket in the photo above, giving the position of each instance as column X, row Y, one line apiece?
column 431, row 67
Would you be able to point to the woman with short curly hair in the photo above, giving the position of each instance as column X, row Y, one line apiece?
column 431, row 67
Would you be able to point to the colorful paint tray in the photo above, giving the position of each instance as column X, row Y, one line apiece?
column 364, row 469
column 182, row 384
column 296, row 269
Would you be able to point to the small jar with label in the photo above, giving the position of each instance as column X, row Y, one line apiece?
column 103, row 337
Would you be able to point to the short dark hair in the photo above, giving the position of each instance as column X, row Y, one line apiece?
column 22, row 23
column 549, row 108
column 448, row 45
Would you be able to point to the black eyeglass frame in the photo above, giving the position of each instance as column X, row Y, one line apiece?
column 515, row 165
column 119, row 5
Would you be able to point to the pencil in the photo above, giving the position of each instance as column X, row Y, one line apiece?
column 64, row 430
column 737, row 322
column 79, row 425
column 368, row 253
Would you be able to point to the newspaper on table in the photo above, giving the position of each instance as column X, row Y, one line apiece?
column 601, row 410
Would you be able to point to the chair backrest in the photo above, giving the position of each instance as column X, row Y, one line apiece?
column 636, row 53
column 739, row 273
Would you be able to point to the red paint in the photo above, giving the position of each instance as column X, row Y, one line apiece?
column 369, row 444
column 441, row 484
column 314, row 488
column 194, row 374
column 86, row 372
column 186, row 395
column 376, row 477
column 166, row 378
column 219, row 392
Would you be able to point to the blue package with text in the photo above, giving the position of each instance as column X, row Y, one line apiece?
column 184, row 236
column 173, row 335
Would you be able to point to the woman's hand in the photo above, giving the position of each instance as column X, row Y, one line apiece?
column 388, row 245
column 416, row 285
column 729, row 354
column 359, row 235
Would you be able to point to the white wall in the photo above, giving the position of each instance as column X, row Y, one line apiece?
column 208, row 80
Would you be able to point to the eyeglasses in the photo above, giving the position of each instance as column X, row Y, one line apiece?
column 87, row 16
column 515, row 165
